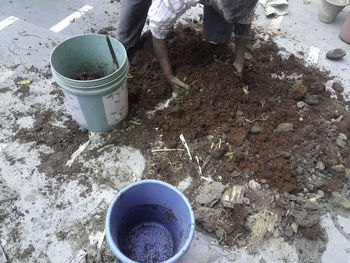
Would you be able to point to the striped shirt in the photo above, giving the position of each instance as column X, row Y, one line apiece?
column 164, row 13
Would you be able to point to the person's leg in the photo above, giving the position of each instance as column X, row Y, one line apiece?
column 133, row 14
column 215, row 27
column 242, row 36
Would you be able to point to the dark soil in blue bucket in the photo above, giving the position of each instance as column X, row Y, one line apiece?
column 146, row 234
column 149, row 242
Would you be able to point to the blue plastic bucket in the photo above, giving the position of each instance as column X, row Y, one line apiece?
column 149, row 221
column 98, row 104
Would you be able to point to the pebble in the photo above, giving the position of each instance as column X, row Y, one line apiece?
column 320, row 193
column 210, row 138
column 312, row 100
column 337, row 87
column 263, row 181
column 340, row 201
column 341, row 143
column 342, row 136
column 338, row 168
column 294, row 226
column 255, row 129
column 335, row 54
column 320, row 166
column 300, row 104
column 254, row 185
column 299, row 169
column 225, row 128
column 285, row 127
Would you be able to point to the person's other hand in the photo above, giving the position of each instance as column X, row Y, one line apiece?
column 176, row 84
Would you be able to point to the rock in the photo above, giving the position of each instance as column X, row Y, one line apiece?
column 255, row 129
column 342, row 136
column 311, row 100
column 285, row 127
column 344, row 124
column 335, row 109
column 237, row 136
column 309, row 205
column 320, row 193
column 306, row 219
column 263, row 181
column 239, row 114
column 335, row 54
column 317, row 88
column 337, row 87
column 320, row 166
column 246, row 201
column 235, row 173
column 225, row 128
column 218, row 153
column 299, row 170
column 255, row 186
column 229, row 167
column 210, row 193
column 300, row 104
column 338, row 168
column 340, row 200
column 295, row 227
column 298, row 91
column 341, row 143
column 210, row 138
column 276, row 233
column 288, row 231
column 207, row 217
column 233, row 195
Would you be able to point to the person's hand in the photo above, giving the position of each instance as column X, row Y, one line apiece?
column 176, row 84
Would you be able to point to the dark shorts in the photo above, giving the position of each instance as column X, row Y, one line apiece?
column 216, row 29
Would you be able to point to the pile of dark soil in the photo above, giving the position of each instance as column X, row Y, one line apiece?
column 279, row 128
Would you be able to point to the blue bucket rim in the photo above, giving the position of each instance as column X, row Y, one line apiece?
column 115, row 249
column 88, row 82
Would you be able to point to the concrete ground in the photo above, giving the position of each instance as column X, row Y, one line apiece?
column 29, row 30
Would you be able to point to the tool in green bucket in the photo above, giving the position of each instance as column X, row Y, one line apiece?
column 115, row 62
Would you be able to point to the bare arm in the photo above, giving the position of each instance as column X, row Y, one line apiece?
column 161, row 51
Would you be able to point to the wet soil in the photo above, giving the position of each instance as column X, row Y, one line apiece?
column 279, row 129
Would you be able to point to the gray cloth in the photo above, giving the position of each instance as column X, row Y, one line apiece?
column 236, row 10
column 133, row 15
column 216, row 29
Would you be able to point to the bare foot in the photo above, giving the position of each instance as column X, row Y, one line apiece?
column 238, row 67
column 177, row 84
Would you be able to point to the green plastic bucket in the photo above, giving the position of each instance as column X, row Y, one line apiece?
column 98, row 104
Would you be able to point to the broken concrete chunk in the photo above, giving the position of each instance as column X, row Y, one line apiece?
column 306, row 219
column 312, row 100
column 206, row 217
column 341, row 200
column 261, row 224
column 335, row 54
column 210, row 193
column 233, row 195
column 285, row 127
column 254, row 185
